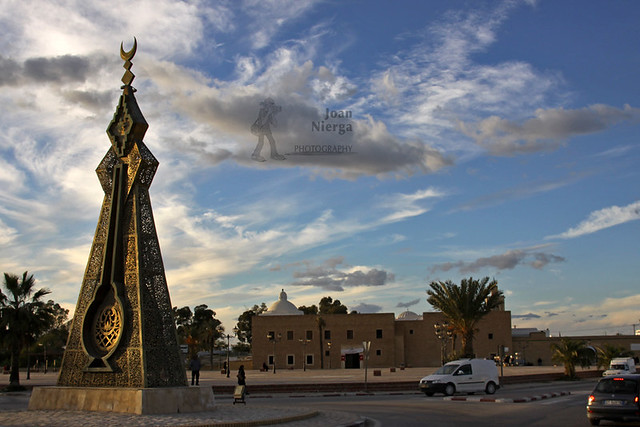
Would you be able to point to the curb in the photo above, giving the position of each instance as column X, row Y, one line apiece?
column 295, row 396
column 499, row 400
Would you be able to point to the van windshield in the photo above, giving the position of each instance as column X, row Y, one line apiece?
column 619, row 366
column 446, row 370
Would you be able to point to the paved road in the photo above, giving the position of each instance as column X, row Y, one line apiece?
column 417, row 410
column 410, row 408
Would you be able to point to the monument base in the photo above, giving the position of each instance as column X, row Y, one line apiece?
column 141, row 401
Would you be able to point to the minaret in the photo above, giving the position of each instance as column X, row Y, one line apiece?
column 123, row 333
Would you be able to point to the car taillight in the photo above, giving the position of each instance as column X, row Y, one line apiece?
column 592, row 398
column 635, row 399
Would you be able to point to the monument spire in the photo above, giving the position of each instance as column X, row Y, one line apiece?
column 123, row 334
column 122, row 354
column 128, row 76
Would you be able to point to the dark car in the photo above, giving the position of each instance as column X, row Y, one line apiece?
column 615, row 398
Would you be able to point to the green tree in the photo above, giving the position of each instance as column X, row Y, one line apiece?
column 313, row 309
column 465, row 305
column 241, row 348
column 571, row 353
column 329, row 306
column 608, row 352
column 199, row 329
column 244, row 322
column 206, row 329
column 53, row 341
column 23, row 317
column 183, row 318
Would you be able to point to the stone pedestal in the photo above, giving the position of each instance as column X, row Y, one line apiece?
column 141, row 401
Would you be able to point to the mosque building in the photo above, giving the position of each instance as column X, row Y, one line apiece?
column 289, row 339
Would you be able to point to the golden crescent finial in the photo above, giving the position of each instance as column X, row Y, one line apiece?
column 127, row 56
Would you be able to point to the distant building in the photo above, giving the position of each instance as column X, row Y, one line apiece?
column 533, row 347
column 292, row 340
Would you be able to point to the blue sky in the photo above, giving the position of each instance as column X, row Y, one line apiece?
column 490, row 138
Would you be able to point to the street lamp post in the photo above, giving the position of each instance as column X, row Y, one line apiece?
column 274, row 340
column 44, row 347
column 235, row 333
column 304, row 351
column 228, row 368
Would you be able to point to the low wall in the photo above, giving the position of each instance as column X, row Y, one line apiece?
column 351, row 387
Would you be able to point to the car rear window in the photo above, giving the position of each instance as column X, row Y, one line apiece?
column 617, row 385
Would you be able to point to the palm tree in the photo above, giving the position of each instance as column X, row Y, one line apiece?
column 465, row 305
column 608, row 352
column 570, row 353
column 24, row 316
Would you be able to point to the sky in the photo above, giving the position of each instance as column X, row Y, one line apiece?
column 422, row 140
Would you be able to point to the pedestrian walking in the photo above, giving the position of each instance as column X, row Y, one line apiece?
column 194, row 365
column 242, row 377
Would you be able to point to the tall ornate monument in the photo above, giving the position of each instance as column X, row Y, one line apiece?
column 123, row 339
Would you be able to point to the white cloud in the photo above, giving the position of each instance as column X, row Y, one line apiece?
column 270, row 15
column 164, row 28
column 602, row 219
column 532, row 257
column 613, row 315
column 436, row 83
column 547, row 130
column 409, row 205
column 7, row 234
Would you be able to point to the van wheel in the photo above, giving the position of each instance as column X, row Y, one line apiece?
column 594, row 421
column 449, row 389
column 491, row 388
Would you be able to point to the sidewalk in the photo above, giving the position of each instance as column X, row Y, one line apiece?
column 287, row 376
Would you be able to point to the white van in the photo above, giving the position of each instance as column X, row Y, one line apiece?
column 621, row 365
column 464, row 375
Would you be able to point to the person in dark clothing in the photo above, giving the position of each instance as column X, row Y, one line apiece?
column 194, row 365
column 242, row 376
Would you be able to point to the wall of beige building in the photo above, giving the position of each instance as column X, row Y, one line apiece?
column 536, row 348
column 394, row 343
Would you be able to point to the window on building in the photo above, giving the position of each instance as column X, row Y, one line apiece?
column 490, row 336
column 270, row 335
column 378, row 352
column 350, row 334
column 410, row 331
column 309, row 335
column 378, row 333
column 327, row 353
column 270, row 361
column 289, row 335
column 291, row 360
column 327, row 335
column 309, row 360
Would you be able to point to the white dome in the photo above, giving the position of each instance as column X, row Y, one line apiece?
column 282, row 307
column 408, row 315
